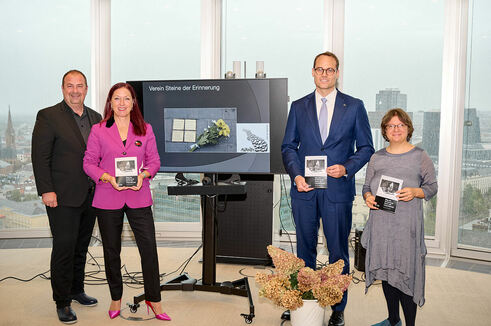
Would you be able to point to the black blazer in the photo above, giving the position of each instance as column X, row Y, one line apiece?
column 57, row 154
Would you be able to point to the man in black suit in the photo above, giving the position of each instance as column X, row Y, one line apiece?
column 58, row 145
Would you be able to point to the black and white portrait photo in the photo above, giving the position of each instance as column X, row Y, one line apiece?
column 315, row 166
column 388, row 187
column 125, row 166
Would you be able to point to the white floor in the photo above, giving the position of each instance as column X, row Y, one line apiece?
column 453, row 297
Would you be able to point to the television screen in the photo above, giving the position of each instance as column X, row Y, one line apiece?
column 217, row 126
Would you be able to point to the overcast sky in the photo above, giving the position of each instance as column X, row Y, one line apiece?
column 399, row 44
column 388, row 44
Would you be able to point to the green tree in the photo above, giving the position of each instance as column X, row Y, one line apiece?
column 473, row 204
column 430, row 216
column 30, row 197
column 14, row 195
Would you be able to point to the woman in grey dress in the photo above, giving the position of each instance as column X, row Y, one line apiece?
column 395, row 240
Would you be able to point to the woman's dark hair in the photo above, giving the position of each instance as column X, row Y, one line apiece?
column 136, row 117
column 403, row 116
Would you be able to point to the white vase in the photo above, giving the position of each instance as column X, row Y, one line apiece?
column 310, row 314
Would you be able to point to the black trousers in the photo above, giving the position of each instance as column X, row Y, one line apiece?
column 141, row 222
column 394, row 296
column 71, row 228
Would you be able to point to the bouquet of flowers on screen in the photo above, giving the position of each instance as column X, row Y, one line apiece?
column 212, row 135
column 386, row 193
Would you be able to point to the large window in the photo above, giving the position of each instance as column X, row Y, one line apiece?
column 286, row 36
column 41, row 40
column 161, row 41
column 393, row 58
column 155, row 40
column 167, row 208
column 474, row 226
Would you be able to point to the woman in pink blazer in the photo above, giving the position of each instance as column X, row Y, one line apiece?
column 123, row 134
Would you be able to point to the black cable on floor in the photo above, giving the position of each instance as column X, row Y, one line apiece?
column 41, row 275
column 130, row 279
column 189, row 259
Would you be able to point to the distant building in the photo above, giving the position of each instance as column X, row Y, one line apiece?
column 431, row 133
column 472, row 129
column 375, row 118
column 483, row 183
column 385, row 100
column 418, row 119
column 478, row 154
column 9, row 153
column 6, row 168
column 472, row 135
column 390, row 98
column 24, row 157
column 378, row 139
column 475, row 158
column 23, row 215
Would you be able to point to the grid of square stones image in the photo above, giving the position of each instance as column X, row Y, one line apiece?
column 183, row 126
column 183, row 130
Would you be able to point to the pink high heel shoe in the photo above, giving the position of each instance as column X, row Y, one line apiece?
column 162, row 316
column 114, row 313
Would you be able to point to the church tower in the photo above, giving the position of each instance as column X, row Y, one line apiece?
column 9, row 153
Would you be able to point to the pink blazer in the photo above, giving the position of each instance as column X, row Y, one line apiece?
column 103, row 146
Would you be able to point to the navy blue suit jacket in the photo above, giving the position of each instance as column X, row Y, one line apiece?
column 349, row 128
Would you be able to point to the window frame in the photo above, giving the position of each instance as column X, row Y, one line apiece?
column 454, row 64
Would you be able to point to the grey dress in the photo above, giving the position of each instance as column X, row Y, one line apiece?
column 395, row 241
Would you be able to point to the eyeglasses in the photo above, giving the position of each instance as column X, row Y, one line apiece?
column 399, row 126
column 329, row 71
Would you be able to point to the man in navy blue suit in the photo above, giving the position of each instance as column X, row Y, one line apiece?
column 344, row 125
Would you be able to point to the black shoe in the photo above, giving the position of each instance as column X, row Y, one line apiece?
column 337, row 318
column 66, row 315
column 84, row 299
column 285, row 315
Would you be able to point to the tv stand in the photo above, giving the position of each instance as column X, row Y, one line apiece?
column 208, row 282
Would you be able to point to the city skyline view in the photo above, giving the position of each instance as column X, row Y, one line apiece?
column 416, row 70
column 20, row 207
column 392, row 54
